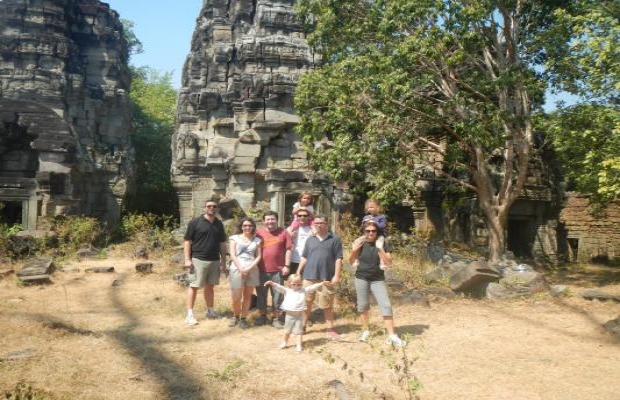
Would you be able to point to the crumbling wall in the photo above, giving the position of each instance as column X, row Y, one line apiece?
column 64, row 109
column 588, row 236
column 235, row 128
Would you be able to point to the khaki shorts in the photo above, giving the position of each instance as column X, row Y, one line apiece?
column 207, row 273
column 323, row 297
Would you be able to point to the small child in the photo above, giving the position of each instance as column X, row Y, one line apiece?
column 294, row 304
column 373, row 210
column 304, row 201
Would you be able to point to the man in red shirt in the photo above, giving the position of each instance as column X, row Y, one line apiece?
column 274, row 266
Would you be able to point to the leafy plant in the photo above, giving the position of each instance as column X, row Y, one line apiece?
column 150, row 230
column 229, row 373
column 74, row 232
column 24, row 391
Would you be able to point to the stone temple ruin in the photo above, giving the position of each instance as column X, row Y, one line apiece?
column 64, row 111
column 235, row 129
column 64, row 129
column 235, row 139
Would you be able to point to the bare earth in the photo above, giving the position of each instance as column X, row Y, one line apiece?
column 122, row 336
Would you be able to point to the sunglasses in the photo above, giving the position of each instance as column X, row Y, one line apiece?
column 247, row 226
column 302, row 215
column 211, row 206
column 369, row 230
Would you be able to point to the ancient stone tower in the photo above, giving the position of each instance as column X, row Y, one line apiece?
column 235, row 130
column 64, row 138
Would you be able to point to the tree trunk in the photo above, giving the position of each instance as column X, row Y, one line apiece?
column 497, row 236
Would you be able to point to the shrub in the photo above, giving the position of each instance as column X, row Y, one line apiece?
column 149, row 230
column 74, row 232
column 6, row 232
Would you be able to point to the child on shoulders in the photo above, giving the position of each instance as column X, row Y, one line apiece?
column 305, row 202
column 374, row 213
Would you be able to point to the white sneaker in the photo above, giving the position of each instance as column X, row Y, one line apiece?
column 282, row 345
column 190, row 320
column 396, row 341
column 299, row 348
column 364, row 336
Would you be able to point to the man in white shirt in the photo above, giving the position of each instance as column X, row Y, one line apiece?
column 299, row 236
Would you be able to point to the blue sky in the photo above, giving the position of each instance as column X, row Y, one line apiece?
column 165, row 29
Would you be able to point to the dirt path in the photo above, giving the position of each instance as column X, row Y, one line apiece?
column 121, row 335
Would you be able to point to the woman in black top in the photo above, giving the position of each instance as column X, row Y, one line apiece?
column 370, row 278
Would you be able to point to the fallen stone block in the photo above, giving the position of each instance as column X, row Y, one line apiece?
column 100, row 270
column 599, row 295
column 144, row 267
column 476, row 274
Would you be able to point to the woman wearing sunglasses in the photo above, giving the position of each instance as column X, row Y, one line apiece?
column 370, row 278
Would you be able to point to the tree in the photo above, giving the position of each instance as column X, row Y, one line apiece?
column 586, row 138
column 419, row 91
column 153, row 108
column 134, row 45
column 586, row 135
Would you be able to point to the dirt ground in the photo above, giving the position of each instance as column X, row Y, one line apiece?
column 122, row 336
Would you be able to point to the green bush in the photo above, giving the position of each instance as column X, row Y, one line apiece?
column 6, row 231
column 74, row 232
column 149, row 230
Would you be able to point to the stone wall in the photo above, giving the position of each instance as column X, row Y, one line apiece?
column 64, row 110
column 235, row 133
column 590, row 236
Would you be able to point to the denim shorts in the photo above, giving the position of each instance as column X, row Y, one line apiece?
column 363, row 288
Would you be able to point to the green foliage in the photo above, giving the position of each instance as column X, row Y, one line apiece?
column 586, row 138
column 229, row 373
column 588, row 65
column 74, row 232
column 415, row 94
column 153, row 108
column 150, row 230
column 134, row 45
column 6, row 231
column 24, row 391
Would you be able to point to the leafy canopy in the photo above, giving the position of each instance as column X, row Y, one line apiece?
column 153, row 108
column 413, row 90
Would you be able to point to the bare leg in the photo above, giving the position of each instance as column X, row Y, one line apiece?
column 191, row 297
column 236, row 301
column 364, row 320
column 329, row 318
column 285, row 338
column 299, row 340
column 247, row 299
column 209, row 294
column 306, row 314
column 389, row 325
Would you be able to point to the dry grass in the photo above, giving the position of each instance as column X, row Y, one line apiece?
column 121, row 335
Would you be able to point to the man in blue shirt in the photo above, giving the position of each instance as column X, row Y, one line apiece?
column 322, row 261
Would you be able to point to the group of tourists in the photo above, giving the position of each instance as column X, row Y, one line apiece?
column 295, row 268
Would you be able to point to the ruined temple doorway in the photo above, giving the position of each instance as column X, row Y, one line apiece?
column 521, row 234
column 11, row 212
